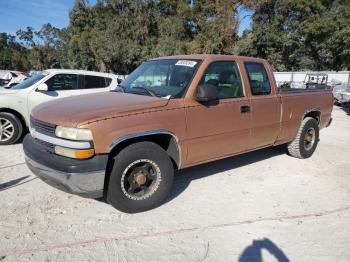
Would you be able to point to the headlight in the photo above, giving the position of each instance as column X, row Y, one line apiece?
column 74, row 153
column 79, row 134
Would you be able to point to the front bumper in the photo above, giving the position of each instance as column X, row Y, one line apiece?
column 81, row 177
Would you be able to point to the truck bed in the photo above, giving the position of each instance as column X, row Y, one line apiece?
column 302, row 90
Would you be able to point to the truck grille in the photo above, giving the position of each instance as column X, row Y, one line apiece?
column 42, row 127
column 44, row 146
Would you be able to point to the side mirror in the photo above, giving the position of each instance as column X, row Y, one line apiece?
column 206, row 92
column 42, row 87
column 119, row 81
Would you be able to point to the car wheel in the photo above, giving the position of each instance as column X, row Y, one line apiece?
column 305, row 143
column 11, row 129
column 141, row 178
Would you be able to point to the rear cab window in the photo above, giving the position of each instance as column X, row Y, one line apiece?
column 258, row 78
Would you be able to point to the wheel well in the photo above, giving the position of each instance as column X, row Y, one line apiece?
column 18, row 115
column 166, row 141
column 314, row 114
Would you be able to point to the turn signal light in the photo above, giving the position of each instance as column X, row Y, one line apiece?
column 74, row 153
column 84, row 153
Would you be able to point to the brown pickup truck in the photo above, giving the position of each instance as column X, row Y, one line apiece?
column 170, row 113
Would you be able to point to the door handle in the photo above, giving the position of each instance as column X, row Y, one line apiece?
column 245, row 109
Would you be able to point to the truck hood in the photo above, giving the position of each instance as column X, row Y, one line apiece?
column 83, row 109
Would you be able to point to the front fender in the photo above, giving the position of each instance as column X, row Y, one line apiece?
column 12, row 102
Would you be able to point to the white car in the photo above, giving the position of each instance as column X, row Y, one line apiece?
column 17, row 103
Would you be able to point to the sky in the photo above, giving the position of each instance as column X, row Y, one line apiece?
column 18, row 14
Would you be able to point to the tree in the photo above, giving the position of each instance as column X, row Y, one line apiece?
column 215, row 26
column 43, row 46
column 299, row 34
column 118, row 35
column 13, row 56
column 80, row 54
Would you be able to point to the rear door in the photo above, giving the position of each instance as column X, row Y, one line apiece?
column 94, row 84
column 59, row 86
column 265, row 105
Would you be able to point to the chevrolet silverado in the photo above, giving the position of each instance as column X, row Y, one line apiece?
column 169, row 114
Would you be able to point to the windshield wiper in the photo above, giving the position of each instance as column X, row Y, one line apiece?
column 145, row 89
column 122, row 89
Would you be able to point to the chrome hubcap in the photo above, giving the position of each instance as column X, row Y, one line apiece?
column 6, row 130
column 309, row 138
column 141, row 179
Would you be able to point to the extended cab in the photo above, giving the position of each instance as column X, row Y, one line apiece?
column 17, row 103
column 170, row 113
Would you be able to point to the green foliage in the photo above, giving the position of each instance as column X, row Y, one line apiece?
column 44, row 46
column 215, row 26
column 299, row 34
column 12, row 54
column 118, row 35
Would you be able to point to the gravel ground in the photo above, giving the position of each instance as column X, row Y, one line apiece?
column 261, row 206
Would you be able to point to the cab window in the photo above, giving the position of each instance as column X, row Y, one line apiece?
column 96, row 82
column 258, row 79
column 62, row 82
column 225, row 76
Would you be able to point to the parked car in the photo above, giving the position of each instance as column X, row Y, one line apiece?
column 9, row 78
column 170, row 113
column 17, row 103
column 341, row 93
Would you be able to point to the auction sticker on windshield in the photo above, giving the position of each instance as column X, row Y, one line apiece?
column 186, row 63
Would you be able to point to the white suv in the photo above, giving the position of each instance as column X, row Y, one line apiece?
column 17, row 103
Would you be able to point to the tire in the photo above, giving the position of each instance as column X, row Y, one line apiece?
column 301, row 147
column 12, row 126
column 130, row 162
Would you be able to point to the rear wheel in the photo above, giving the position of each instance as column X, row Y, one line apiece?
column 11, row 129
column 305, row 143
column 141, row 178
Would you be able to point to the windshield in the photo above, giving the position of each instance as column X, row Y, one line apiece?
column 29, row 82
column 161, row 78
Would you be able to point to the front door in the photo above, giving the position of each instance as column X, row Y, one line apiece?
column 59, row 86
column 222, row 127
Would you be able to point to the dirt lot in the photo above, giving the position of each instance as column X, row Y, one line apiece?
column 263, row 205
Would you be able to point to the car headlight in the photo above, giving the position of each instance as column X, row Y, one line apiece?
column 79, row 134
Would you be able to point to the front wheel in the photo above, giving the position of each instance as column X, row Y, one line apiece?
column 141, row 178
column 305, row 143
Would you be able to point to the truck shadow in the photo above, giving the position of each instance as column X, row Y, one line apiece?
column 184, row 177
column 11, row 183
column 253, row 253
